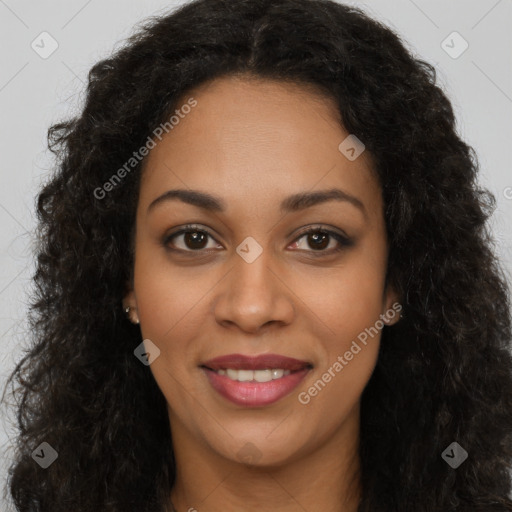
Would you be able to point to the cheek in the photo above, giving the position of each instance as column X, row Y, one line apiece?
column 171, row 305
column 347, row 308
column 348, row 355
column 352, row 348
column 168, row 297
column 348, row 298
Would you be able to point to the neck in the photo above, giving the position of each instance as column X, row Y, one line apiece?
column 326, row 478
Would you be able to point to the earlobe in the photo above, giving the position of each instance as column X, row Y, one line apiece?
column 392, row 307
column 129, row 305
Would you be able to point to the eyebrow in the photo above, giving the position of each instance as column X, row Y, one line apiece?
column 292, row 203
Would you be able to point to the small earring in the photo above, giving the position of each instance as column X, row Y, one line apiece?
column 387, row 320
column 127, row 311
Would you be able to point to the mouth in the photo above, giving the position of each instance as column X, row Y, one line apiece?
column 252, row 375
column 255, row 381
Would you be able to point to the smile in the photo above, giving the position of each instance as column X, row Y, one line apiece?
column 255, row 381
column 254, row 375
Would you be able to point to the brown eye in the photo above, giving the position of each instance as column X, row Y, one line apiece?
column 188, row 239
column 195, row 239
column 318, row 240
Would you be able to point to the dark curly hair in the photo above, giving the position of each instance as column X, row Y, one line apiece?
column 444, row 372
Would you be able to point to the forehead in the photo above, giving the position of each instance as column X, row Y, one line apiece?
column 251, row 137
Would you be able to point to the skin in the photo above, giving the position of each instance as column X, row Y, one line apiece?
column 252, row 143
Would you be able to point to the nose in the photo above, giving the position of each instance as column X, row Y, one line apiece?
column 253, row 296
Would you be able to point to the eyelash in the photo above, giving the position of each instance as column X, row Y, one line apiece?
column 342, row 240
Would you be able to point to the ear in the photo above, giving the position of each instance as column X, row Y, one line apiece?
column 391, row 306
column 130, row 301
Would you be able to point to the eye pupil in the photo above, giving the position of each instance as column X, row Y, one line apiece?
column 194, row 237
column 316, row 237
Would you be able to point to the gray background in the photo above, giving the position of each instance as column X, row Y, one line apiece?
column 36, row 92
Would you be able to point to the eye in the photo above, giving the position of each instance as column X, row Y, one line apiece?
column 194, row 239
column 319, row 239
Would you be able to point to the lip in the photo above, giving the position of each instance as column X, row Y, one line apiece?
column 255, row 394
column 260, row 362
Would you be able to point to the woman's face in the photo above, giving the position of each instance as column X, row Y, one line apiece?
column 246, row 280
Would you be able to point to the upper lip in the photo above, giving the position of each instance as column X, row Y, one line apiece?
column 260, row 362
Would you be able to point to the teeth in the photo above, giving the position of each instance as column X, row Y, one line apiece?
column 254, row 375
column 263, row 375
column 276, row 374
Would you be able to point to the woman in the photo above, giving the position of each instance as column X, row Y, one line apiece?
column 265, row 280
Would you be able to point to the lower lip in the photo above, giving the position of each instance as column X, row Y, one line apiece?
column 254, row 394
